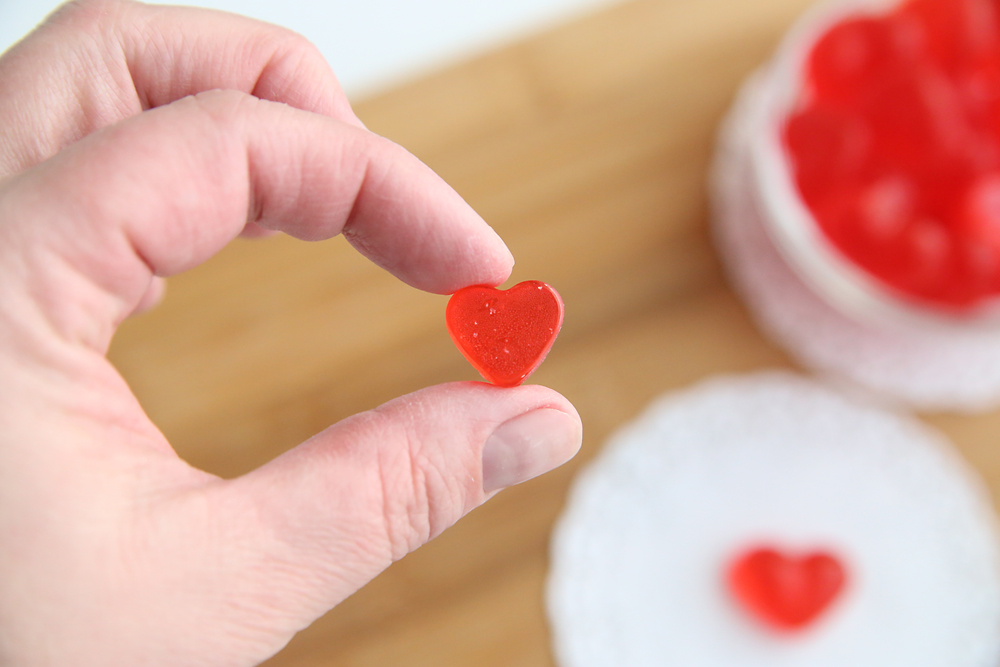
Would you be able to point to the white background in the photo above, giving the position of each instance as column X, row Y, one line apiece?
column 371, row 44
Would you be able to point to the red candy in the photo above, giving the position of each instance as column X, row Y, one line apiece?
column 505, row 335
column 786, row 592
column 895, row 147
column 979, row 215
column 855, row 55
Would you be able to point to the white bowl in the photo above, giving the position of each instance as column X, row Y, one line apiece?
column 791, row 225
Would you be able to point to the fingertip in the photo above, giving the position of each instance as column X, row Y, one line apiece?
column 529, row 430
column 490, row 264
column 409, row 221
column 488, row 259
column 505, row 261
column 530, row 445
column 485, row 260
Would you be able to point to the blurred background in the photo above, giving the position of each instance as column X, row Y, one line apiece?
column 583, row 131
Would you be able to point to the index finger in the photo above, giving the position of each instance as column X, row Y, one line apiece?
column 94, row 63
column 158, row 194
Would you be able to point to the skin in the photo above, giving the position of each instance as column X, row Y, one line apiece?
column 135, row 142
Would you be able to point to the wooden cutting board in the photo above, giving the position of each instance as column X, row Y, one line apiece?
column 586, row 147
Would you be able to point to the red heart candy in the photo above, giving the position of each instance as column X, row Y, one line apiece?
column 505, row 334
column 786, row 592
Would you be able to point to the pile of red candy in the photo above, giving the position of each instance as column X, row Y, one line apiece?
column 895, row 146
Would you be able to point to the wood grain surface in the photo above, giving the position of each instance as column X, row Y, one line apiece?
column 586, row 147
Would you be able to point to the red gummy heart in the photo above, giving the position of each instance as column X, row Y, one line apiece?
column 505, row 334
column 786, row 592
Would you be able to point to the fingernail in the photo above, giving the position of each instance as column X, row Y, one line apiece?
column 529, row 445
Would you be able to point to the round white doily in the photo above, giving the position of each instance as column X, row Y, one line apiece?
column 925, row 369
column 638, row 557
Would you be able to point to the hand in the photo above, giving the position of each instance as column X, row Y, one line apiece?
column 118, row 168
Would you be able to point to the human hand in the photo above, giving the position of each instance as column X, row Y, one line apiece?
column 117, row 168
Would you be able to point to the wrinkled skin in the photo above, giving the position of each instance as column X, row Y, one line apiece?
column 135, row 142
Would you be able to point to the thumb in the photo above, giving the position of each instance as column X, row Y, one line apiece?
column 338, row 509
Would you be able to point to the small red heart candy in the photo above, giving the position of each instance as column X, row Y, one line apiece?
column 505, row 334
column 786, row 592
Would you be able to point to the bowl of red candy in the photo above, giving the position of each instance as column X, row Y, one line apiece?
column 877, row 161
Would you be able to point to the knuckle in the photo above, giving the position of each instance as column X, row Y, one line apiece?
column 295, row 71
column 420, row 496
column 406, row 507
column 286, row 46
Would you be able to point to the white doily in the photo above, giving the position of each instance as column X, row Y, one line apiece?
column 928, row 370
column 638, row 557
